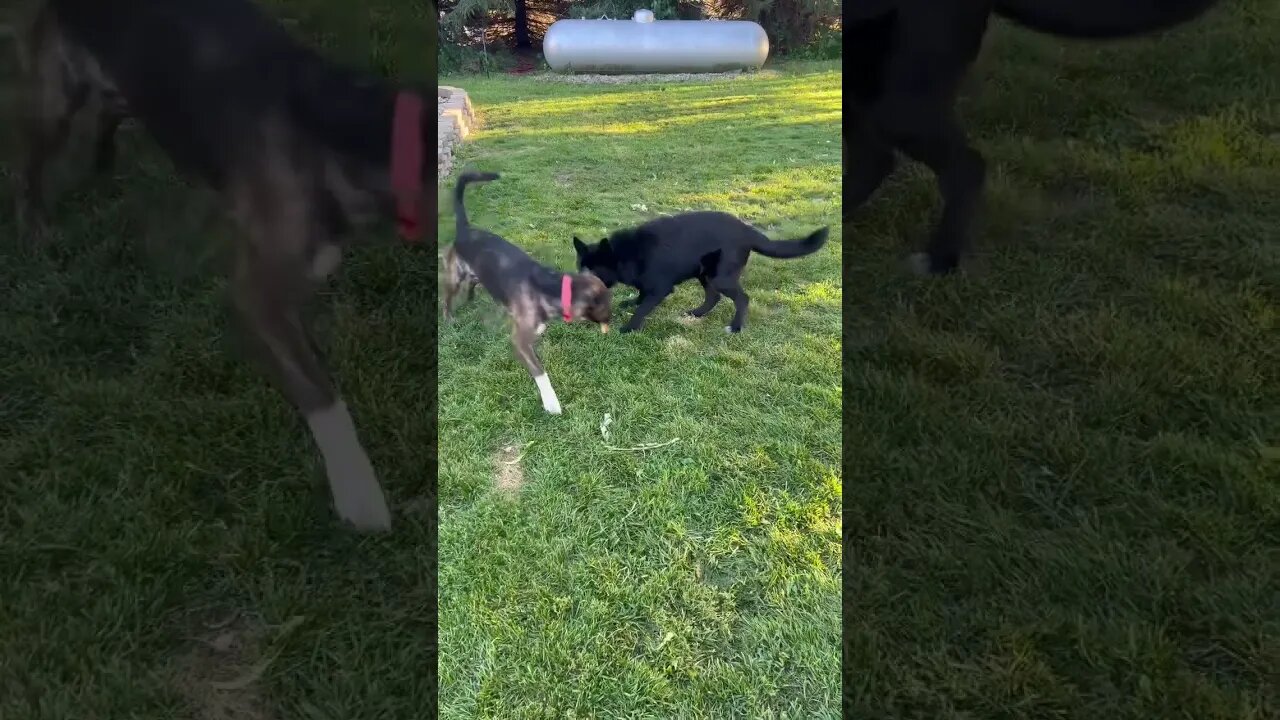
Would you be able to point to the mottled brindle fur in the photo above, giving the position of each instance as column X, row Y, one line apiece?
column 528, row 290
column 297, row 148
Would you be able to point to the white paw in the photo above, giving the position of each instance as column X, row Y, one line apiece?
column 358, row 499
column 550, row 402
column 357, row 495
column 542, row 327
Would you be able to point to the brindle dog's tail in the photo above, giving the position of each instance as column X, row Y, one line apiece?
column 459, row 207
column 1101, row 19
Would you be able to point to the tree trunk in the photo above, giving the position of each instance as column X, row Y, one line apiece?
column 522, row 25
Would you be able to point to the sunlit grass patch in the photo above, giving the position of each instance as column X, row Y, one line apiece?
column 645, row 570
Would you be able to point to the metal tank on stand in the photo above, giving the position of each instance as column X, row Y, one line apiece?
column 645, row 45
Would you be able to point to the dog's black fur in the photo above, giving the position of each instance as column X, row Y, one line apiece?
column 711, row 247
column 528, row 290
column 906, row 60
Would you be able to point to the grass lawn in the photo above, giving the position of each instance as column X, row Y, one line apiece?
column 163, row 521
column 1059, row 503
column 699, row 579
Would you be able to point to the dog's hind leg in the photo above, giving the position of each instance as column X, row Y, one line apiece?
column 961, row 171
column 711, row 300
column 872, row 162
column 454, row 278
column 451, row 290
column 917, row 115
column 104, row 156
column 732, row 288
column 523, row 339
column 269, row 293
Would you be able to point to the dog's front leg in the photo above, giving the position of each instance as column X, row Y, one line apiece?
column 48, row 128
column 632, row 302
column 646, row 306
column 269, row 299
column 523, row 338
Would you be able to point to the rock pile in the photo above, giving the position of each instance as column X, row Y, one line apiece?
column 456, row 119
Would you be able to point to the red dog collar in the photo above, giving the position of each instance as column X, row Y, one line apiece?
column 566, row 297
column 406, row 164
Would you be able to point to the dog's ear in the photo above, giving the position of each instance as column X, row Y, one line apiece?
column 579, row 246
column 604, row 245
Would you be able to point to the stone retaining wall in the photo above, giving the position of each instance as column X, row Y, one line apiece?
column 456, row 120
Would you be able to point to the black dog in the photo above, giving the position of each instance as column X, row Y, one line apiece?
column 712, row 247
column 908, row 58
column 530, row 292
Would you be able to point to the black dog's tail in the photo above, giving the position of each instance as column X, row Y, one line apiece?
column 1101, row 19
column 459, row 207
column 785, row 249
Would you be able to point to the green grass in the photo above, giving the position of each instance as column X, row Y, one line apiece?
column 155, row 487
column 1058, row 499
column 699, row 579
column 151, row 482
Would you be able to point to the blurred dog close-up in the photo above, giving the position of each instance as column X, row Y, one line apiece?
column 300, row 151
column 909, row 59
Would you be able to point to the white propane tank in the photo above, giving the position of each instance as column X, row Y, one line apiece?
column 645, row 45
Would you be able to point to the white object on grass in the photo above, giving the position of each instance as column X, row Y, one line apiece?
column 604, row 433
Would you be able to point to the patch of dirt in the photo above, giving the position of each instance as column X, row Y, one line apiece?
column 508, row 473
column 219, row 675
column 677, row 345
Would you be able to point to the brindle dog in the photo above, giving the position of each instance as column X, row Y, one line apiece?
column 531, row 292
column 300, row 151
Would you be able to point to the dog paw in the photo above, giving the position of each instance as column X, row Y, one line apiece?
column 357, row 496
column 731, row 330
column 547, row 394
column 368, row 514
column 918, row 264
column 358, row 499
column 926, row 265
